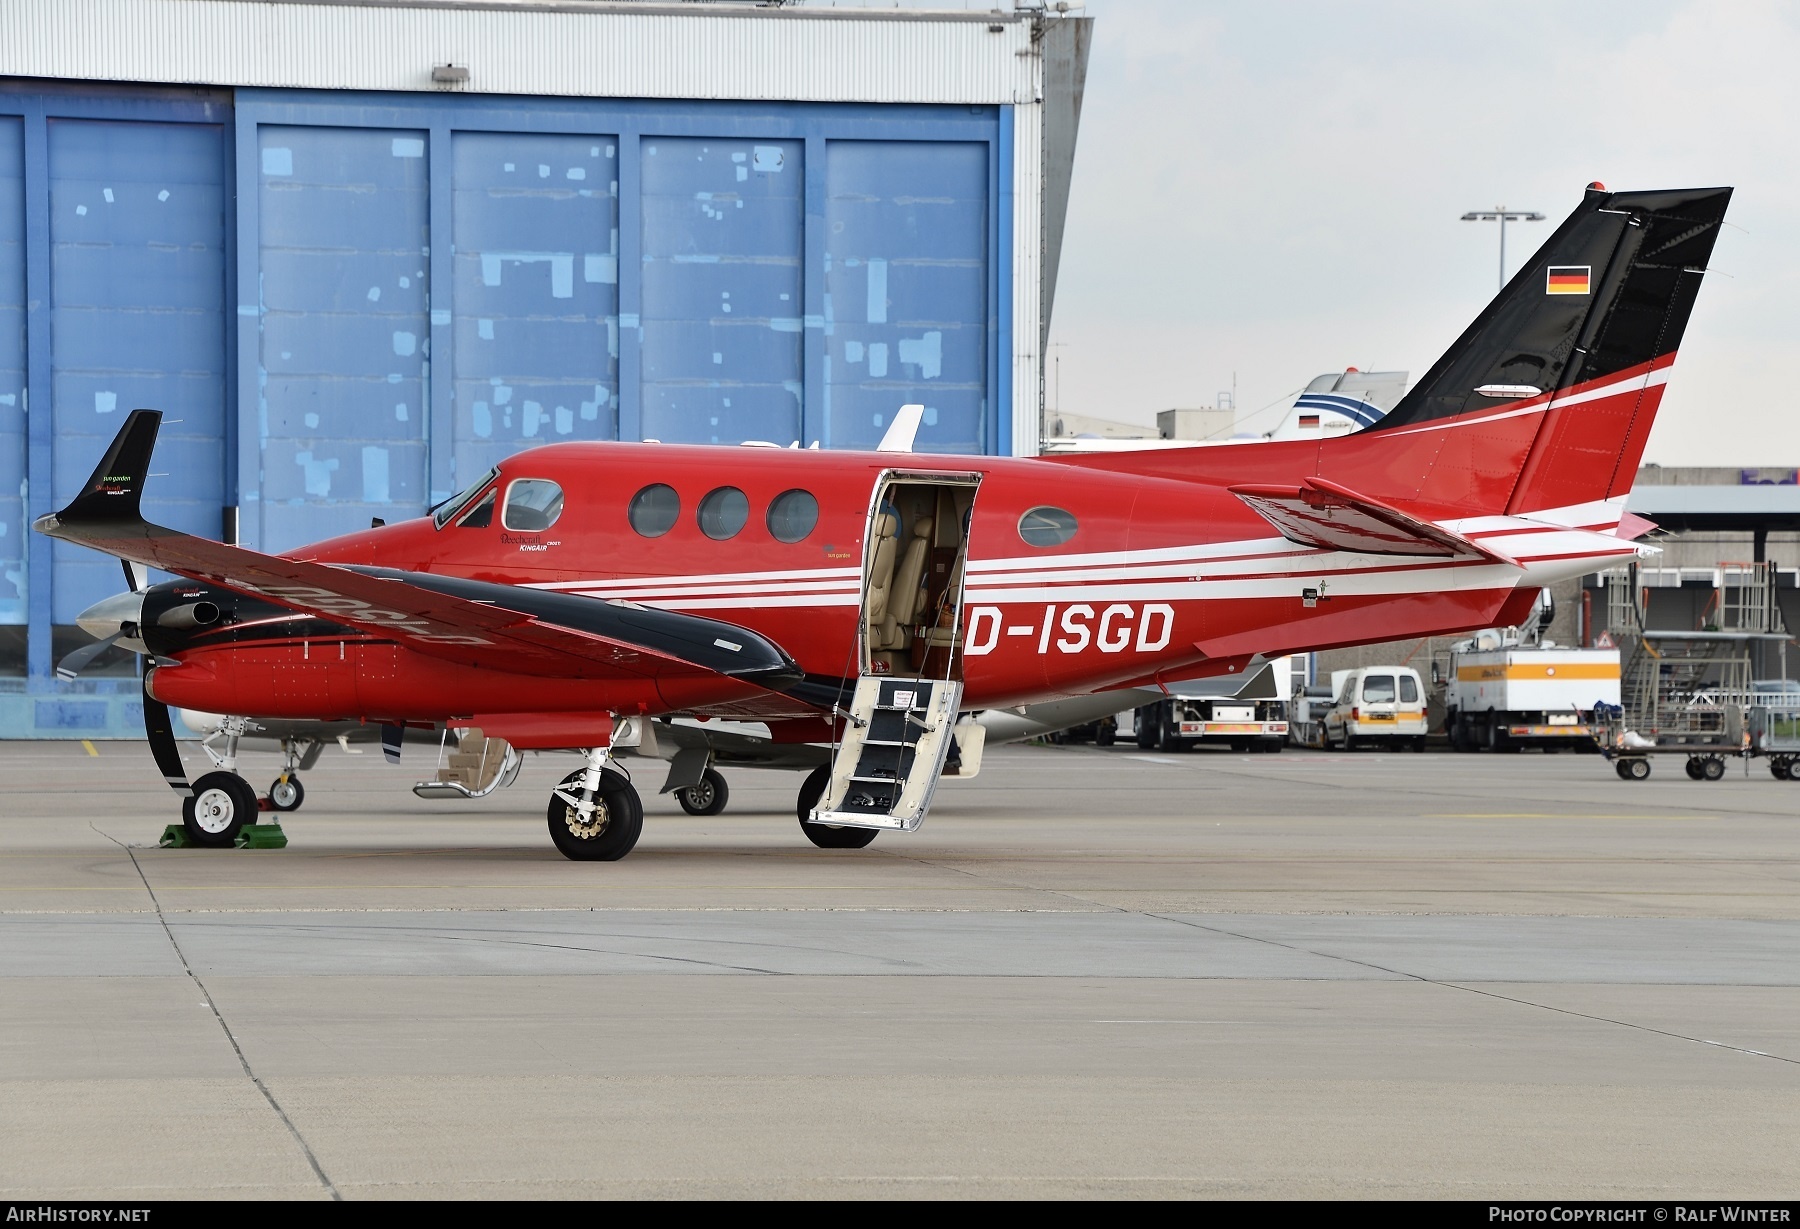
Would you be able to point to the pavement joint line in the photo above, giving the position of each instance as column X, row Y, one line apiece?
column 1467, row 989
column 213, row 1006
column 455, row 937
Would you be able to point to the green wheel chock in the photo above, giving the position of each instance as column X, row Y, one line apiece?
column 261, row 836
column 174, row 837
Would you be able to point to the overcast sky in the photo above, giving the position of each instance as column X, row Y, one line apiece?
column 1274, row 190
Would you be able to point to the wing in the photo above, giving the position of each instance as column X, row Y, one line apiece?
column 504, row 627
column 1324, row 514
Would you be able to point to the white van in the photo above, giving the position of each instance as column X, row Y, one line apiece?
column 1376, row 705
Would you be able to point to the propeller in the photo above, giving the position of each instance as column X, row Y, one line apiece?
column 159, row 728
column 74, row 663
column 137, row 579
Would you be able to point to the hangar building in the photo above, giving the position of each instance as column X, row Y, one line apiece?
column 356, row 250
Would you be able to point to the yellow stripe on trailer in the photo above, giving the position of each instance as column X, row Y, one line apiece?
column 1547, row 670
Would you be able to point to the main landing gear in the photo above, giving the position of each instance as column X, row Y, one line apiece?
column 826, row 836
column 595, row 814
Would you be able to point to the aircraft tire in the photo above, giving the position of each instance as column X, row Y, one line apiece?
column 608, row 839
column 1148, row 718
column 708, row 797
column 286, row 795
column 826, row 836
column 221, row 804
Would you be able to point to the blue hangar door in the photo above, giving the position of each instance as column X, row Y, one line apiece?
column 14, row 526
column 137, row 319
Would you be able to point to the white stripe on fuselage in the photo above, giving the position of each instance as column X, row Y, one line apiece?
column 1544, row 545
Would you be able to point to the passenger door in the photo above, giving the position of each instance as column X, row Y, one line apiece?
column 898, row 730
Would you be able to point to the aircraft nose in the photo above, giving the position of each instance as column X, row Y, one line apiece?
column 108, row 615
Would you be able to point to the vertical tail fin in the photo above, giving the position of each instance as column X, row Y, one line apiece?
column 1586, row 332
column 1545, row 401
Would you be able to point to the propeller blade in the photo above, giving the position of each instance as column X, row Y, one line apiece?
column 391, row 738
column 159, row 728
column 137, row 576
column 82, row 658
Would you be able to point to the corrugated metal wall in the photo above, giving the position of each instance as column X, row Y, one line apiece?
column 634, row 51
column 279, row 275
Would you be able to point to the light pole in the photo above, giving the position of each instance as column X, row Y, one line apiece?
column 1503, row 215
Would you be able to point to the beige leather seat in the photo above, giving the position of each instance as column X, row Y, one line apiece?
column 881, row 573
column 907, row 593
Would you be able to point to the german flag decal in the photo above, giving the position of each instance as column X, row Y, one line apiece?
column 1568, row 279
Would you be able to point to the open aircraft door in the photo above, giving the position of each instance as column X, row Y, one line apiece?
column 901, row 722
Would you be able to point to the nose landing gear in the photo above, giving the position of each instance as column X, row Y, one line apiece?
column 222, row 803
column 286, row 793
column 706, row 796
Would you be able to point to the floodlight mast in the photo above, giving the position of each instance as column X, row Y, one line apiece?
column 1503, row 215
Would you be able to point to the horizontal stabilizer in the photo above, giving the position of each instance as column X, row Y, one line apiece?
column 1323, row 514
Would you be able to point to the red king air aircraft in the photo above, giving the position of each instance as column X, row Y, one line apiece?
column 867, row 599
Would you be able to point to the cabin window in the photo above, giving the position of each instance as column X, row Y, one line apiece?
column 654, row 510
column 723, row 513
column 1409, row 690
column 792, row 515
column 446, row 511
column 532, row 503
column 1378, row 689
column 1047, row 527
column 480, row 516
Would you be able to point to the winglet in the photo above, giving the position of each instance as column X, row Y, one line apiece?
column 116, row 488
column 900, row 432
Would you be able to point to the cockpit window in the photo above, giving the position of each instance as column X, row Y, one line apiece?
column 444, row 512
column 481, row 515
column 532, row 503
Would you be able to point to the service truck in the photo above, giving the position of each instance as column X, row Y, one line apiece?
column 1252, row 718
column 1504, row 693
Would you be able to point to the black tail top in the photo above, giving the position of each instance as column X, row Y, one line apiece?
column 1611, row 290
column 116, row 488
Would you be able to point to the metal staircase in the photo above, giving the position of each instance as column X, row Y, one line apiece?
column 1687, row 690
column 896, row 735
